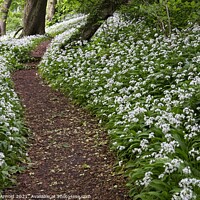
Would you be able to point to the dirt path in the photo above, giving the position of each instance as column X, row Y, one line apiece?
column 69, row 152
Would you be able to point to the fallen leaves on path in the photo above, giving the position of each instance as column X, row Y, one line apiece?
column 69, row 151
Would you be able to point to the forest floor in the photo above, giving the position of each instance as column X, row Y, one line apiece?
column 69, row 151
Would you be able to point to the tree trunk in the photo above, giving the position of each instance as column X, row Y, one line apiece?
column 34, row 17
column 51, row 8
column 4, row 15
column 103, row 10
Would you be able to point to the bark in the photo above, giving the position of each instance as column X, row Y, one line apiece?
column 103, row 10
column 34, row 17
column 51, row 8
column 4, row 15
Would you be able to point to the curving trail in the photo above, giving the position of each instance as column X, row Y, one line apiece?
column 69, row 152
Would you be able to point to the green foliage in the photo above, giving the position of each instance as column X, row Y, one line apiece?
column 66, row 7
column 63, row 8
column 15, row 15
column 12, row 129
column 13, row 132
column 144, row 88
column 164, row 14
column 18, row 50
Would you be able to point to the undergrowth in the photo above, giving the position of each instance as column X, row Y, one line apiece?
column 145, row 88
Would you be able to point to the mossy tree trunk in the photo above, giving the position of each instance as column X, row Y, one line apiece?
column 4, row 15
column 34, row 17
column 101, row 12
column 51, row 8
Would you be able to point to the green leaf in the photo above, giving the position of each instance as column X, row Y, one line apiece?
column 159, row 185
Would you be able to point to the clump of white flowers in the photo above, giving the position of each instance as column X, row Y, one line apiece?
column 11, row 124
column 18, row 49
column 2, row 159
column 187, row 186
column 146, row 89
column 66, row 24
column 171, row 167
column 146, row 180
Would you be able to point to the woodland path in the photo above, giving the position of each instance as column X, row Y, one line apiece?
column 69, row 152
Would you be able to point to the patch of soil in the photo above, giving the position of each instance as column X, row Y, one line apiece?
column 69, row 152
column 40, row 49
